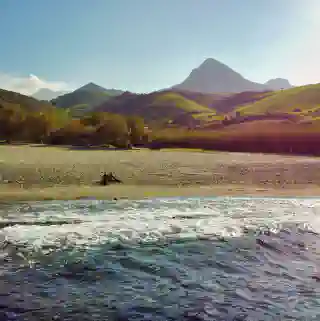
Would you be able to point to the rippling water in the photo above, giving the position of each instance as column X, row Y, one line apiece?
column 161, row 259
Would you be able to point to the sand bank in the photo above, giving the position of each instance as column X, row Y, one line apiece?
column 40, row 172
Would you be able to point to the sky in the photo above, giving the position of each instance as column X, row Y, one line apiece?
column 146, row 45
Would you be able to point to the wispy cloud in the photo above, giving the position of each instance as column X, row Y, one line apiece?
column 28, row 85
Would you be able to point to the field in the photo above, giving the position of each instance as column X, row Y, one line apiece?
column 40, row 172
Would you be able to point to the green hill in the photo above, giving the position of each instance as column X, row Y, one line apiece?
column 85, row 98
column 224, row 103
column 155, row 106
column 208, row 100
column 230, row 102
column 175, row 100
column 304, row 100
column 10, row 99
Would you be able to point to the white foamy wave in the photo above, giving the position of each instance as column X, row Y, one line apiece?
column 150, row 220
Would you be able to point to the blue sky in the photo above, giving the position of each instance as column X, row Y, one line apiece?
column 143, row 45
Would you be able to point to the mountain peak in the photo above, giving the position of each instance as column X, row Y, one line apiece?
column 211, row 65
column 213, row 76
column 209, row 62
column 91, row 86
column 94, row 88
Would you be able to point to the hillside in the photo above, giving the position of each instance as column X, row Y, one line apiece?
column 208, row 100
column 231, row 102
column 213, row 76
column 205, row 107
column 10, row 99
column 154, row 106
column 85, row 98
column 224, row 103
column 304, row 99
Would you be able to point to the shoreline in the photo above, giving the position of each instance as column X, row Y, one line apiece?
column 133, row 192
column 31, row 173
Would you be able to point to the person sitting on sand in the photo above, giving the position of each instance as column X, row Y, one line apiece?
column 112, row 178
column 108, row 178
column 104, row 179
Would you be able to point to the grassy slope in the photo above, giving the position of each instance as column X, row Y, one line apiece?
column 10, row 99
column 222, row 103
column 305, row 98
column 279, row 110
column 81, row 101
column 229, row 103
column 209, row 108
column 158, row 105
column 176, row 100
column 207, row 100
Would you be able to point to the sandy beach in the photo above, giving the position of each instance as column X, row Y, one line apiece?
column 39, row 172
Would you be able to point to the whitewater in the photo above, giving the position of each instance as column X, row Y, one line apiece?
column 161, row 259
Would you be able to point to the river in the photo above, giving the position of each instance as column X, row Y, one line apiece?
column 161, row 259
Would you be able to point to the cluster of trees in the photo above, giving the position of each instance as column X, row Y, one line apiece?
column 56, row 126
column 101, row 129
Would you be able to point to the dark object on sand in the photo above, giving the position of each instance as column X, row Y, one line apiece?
column 109, row 178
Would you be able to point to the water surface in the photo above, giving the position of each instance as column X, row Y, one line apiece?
column 161, row 259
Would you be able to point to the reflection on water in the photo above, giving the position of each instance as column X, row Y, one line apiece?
column 178, row 259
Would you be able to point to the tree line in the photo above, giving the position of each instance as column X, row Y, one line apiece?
column 57, row 127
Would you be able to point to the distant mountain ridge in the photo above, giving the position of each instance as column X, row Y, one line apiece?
column 85, row 98
column 92, row 87
column 47, row 94
column 211, row 88
column 213, row 76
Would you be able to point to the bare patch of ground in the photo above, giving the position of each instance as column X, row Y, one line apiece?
column 38, row 172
